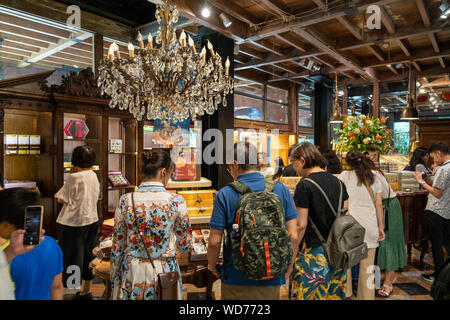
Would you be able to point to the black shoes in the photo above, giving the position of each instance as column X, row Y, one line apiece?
column 80, row 296
column 428, row 277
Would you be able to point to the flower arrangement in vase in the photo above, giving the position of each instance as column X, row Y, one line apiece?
column 364, row 134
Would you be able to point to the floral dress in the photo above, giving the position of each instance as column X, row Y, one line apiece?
column 163, row 220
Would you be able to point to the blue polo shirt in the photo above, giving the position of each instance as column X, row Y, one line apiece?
column 223, row 216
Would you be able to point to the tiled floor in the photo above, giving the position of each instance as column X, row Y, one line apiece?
column 409, row 285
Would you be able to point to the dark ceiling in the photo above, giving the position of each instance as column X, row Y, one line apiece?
column 130, row 12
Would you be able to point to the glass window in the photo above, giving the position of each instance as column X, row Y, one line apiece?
column 306, row 137
column 305, row 118
column 254, row 89
column 277, row 112
column 248, row 108
column 277, row 94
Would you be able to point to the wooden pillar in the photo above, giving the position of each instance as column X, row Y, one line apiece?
column 412, row 92
column 376, row 99
column 323, row 108
column 97, row 51
column 293, row 107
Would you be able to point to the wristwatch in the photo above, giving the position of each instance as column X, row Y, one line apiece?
column 423, row 182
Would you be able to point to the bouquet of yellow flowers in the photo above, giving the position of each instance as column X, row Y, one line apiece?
column 364, row 134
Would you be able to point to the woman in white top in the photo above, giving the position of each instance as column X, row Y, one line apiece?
column 78, row 217
column 149, row 225
column 365, row 205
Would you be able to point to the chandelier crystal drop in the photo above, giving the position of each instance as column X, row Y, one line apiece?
column 169, row 81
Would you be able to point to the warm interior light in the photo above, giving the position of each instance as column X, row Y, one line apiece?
column 206, row 12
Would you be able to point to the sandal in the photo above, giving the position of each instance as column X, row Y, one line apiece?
column 383, row 293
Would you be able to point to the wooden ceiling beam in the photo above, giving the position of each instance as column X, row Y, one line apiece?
column 321, row 4
column 229, row 7
column 264, row 44
column 387, row 20
column 252, row 52
column 442, row 62
column 289, row 39
column 377, row 52
column 294, row 55
column 417, row 66
column 419, row 55
column 351, row 27
column 434, row 71
column 401, row 34
column 318, row 41
column 192, row 10
column 434, row 42
column 278, row 7
column 302, row 74
column 316, row 18
column 405, row 47
column 423, row 13
column 390, row 67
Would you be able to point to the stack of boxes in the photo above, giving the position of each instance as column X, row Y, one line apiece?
column 22, row 144
column 407, row 181
column 199, row 202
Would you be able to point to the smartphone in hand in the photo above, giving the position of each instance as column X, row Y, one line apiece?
column 33, row 225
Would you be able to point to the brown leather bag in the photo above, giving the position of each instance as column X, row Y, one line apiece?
column 167, row 283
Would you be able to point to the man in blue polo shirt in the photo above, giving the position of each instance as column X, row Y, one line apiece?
column 235, row 286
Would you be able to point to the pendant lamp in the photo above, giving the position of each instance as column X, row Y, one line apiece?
column 337, row 116
column 410, row 112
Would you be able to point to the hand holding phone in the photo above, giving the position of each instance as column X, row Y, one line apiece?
column 33, row 225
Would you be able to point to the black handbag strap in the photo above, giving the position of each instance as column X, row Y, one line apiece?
column 313, row 225
column 140, row 232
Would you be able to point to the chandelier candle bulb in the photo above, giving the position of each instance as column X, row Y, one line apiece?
column 110, row 56
column 192, row 45
column 131, row 50
column 183, row 39
column 203, row 54
column 227, row 66
column 210, row 47
column 116, row 50
column 150, row 41
column 141, row 40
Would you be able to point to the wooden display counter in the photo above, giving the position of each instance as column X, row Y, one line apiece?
column 413, row 208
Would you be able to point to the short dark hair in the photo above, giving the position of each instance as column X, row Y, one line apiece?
column 155, row 160
column 310, row 153
column 13, row 203
column 333, row 164
column 292, row 148
column 247, row 151
column 439, row 146
column 83, row 157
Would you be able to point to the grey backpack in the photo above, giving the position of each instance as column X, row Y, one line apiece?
column 345, row 246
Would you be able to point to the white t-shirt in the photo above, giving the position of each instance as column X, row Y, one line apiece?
column 6, row 290
column 361, row 205
column 80, row 195
column 385, row 186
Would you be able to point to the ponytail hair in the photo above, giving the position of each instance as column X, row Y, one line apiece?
column 362, row 166
column 156, row 160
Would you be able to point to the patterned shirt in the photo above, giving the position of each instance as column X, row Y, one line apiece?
column 441, row 181
column 162, row 217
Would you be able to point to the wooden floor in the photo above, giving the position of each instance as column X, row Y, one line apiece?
column 408, row 285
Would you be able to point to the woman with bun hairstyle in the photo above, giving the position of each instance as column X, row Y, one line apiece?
column 150, row 222
column 365, row 205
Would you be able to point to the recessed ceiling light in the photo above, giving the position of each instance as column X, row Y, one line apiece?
column 206, row 12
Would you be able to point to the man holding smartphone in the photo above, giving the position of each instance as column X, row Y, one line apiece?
column 437, row 212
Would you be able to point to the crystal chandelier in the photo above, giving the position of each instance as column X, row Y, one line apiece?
column 168, row 81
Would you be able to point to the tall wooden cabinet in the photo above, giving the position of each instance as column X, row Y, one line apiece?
column 29, row 106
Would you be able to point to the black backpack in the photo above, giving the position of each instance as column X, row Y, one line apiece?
column 440, row 290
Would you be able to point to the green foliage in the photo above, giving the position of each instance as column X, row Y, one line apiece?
column 364, row 134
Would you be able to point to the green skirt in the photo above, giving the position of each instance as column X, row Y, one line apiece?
column 391, row 255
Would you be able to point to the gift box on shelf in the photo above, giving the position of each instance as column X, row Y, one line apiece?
column 115, row 146
column 35, row 144
column 198, row 198
column 117, row 179
column 107, row 228
column 23, row 141
column 200, row 211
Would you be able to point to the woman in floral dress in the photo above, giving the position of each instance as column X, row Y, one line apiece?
column 163, row 221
